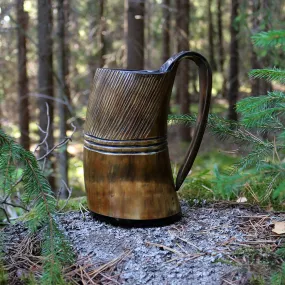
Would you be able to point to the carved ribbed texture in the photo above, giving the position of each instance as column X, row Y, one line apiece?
column 124, row 105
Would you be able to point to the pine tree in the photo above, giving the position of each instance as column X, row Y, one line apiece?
column 262, row 170
column 135, row 38
column 259, row 115
column 23, row 109
column 45, row 76
column 234, row 63
column 40, row 202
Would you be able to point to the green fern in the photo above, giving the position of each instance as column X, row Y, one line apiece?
column 39, row 197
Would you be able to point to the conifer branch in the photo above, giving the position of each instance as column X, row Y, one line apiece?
column 269, row 74
column 14, row 205
column 252, row 104
column 37, row 192
column 269, row 39
column 6, row 214
column 262, row 170
column 222, row 128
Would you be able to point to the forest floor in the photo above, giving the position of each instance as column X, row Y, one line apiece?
column 214, row 244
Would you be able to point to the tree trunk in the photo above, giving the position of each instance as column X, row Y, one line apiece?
column 166, row 34
column 125, row 60
column 148, row 34
column 179, row 48
column 267, row 8
column 63, row 88
column 92, row 40
column 166, row 30
column 221, row 45
column 211, row 37
column 135, row 39
column 102, row 32
column 255, row 83
column 45, row 76
column 24, row 115
column 183, row 78
column 220, row 36
column 234, row 63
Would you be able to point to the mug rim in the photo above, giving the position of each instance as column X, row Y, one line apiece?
column 136, row 71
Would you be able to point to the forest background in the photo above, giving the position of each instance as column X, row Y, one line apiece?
column 49, row 51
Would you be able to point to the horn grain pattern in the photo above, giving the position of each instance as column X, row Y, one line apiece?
column 124, row 105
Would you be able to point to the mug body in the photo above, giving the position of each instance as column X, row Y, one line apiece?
column 127, row 169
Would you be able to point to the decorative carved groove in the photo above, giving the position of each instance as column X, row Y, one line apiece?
column 137, row 147
column 142, row 142
column 124, row 105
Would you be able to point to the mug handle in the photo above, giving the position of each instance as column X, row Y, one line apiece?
column 205, row 86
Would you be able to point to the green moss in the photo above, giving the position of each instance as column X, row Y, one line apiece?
column 205, row 163
column 195, row 191
column 257, row 280
column 29, row 279
column 3, row 275
column 74, row 204
column 199, row 186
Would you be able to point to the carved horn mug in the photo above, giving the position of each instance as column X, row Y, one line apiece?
column 127, row 170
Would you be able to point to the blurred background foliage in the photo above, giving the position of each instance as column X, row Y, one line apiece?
column 96, row 33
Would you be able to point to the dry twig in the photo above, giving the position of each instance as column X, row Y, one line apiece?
column 164, row 247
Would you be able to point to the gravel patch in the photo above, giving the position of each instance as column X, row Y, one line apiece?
column 187, row 252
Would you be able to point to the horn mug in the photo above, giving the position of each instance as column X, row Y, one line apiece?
column 127, row 170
